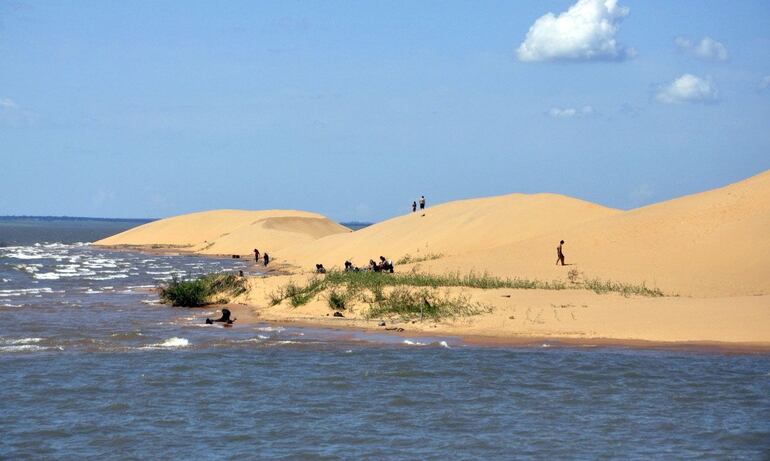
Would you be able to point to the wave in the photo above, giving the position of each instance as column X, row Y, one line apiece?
column 170, row 342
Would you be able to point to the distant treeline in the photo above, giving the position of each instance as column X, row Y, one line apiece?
column 73, row 218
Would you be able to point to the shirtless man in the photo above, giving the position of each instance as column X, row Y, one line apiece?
column 560, row 254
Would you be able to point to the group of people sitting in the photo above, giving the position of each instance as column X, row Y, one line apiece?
column 385, row 265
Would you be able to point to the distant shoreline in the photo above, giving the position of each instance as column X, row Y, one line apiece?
column 73, row 218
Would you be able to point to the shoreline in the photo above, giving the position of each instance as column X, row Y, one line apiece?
column 493, row 333
column 253, row 316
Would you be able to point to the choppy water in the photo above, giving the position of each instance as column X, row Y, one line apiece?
column 92, row 367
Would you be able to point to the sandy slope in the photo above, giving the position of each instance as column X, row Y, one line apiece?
column 223, row 232
column 454, row 228
column 715, row 243
column 711, row 244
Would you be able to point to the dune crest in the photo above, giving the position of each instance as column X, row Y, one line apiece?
column 223, row 232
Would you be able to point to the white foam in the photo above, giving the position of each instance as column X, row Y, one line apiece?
column 22, row 348
column 20, row 341
column 443, row 344
column 409, row 342
column 108, row 277
column 47, row 276
column 170, row 342
column 276, row 329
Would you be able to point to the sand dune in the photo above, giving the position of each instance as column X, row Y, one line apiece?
column 453, row 228
column 224, row 232
column 709, row 244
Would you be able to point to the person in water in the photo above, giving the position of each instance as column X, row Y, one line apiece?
column 225, row 318
column 256, row 255
column 266, row 259
column 560, row 254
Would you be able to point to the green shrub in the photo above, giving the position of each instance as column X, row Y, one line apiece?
column 200, row 291
column 337, row 299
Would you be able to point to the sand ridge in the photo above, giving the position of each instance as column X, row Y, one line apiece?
column 225, row 232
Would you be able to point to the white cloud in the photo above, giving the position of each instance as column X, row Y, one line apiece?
column 764, row 83
column 585, row 32
column 688, row 88
column 8, row 103
column 707, row 48
column 570, row 112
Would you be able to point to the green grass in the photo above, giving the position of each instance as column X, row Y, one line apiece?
column 413, row 293
column 203, row 290
column 409, row 259
column 423, row 303
column 625, row 289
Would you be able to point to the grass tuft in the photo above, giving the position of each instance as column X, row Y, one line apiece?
column 202, row 290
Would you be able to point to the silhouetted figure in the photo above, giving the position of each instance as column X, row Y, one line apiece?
column 414, row 207
column 266, row 259
column 320, row 269
column 225, row 318
column 422, row 202
column 560, row 254
column 256, row 255
column 348, row 266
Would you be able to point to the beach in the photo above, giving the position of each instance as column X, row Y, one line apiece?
column 688, row 271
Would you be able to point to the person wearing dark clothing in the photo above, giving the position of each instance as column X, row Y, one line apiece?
column 422, row 202
column 348, row 266
column 225, row 318
column 256, row 255
column 560, row 254
column 320, row 269
column 266, row 259
column 373, row 266
column 414, row 207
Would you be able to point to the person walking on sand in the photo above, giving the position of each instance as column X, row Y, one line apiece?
column 422, row 202
column 256, row 255
column 266, row 259
column 414, row 207
column 560, row 254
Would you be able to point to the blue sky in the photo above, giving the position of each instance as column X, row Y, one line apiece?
column 354, row 109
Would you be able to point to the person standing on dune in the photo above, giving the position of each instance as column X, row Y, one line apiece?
column 422, row 202
column 414, row 207
column 560, row 254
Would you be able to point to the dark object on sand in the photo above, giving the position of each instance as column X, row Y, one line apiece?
column 225, row 318
column 399, row 329
column 320, row 269
column 240, row 273
column 381, row 324
column 338, row 314
column 236, row 256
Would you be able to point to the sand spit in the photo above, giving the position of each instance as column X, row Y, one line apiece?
column 227, row 232
column 707, row 252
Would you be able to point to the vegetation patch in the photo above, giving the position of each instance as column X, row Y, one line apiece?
column 203, row 290
column 409, row 259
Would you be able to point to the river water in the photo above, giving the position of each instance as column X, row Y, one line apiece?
column 91, row 366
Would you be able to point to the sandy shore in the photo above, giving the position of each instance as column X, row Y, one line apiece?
column 707, row 252
column 524, row 317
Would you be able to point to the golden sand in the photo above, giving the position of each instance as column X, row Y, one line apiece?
column 708, row 252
